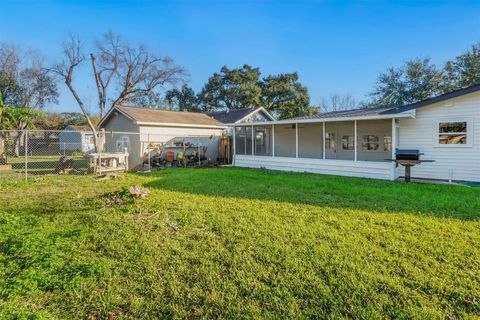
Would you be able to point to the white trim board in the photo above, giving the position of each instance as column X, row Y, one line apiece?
column 364, row 169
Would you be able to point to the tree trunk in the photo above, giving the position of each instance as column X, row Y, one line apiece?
column 3, row 154
column 18, row 141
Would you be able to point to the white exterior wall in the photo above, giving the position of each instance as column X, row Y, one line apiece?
column 460, row 162
column 365, row 169
column 70, row 140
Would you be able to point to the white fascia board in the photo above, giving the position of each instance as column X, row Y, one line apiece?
column 255, row 111
column 105, row 117
column 338, row 119
column 183, row 125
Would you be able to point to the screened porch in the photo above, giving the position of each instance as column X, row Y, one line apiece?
column 354, row 148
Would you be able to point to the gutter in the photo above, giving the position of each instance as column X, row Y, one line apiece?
column 182, row 125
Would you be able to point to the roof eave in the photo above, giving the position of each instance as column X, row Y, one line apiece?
column 409, row 114
column 255, row 111
column 107, row 115
column 184, row 125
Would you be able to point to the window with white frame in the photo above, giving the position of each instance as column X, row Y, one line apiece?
column 122, row 143
column 453, row 133
column 89, row 139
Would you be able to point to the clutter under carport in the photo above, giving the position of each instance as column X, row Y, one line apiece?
column 178, row 152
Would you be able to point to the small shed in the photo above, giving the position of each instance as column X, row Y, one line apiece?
column 76, row 138
column 137, row 128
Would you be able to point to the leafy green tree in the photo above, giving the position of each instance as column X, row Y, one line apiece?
column 463, row 71
column 73, row 118
column 284, row 96
column 183, row 99
column 419, row 79
column 231, row 89
column 416, row 80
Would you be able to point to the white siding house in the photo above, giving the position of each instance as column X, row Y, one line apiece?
column 76, row 138
column 452, row 161
column 363, row 142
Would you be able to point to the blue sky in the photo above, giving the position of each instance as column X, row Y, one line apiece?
column 336, row 46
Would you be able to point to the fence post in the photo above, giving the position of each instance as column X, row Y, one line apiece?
column 148, row 152
column 26, row 153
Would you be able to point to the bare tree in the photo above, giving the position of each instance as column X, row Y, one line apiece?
column 338, row 102
column 25, row 85
column 122, row 73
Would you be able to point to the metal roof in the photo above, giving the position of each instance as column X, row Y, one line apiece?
column 440, row 98
column 346, row 114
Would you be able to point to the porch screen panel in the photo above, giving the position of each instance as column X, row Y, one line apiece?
column 345, row 139
column 310, row 140
column 243, row 140
column 332, row 140
column 263, row 140
column 374, row 140
column 285, row 140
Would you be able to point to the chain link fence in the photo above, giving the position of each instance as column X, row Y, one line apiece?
column 26, row 153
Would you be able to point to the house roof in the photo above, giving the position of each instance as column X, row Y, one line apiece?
column 384, row 111
column 233, row 116
column 363, row 112
column 440, row 98
column 79, row 128
column 157, row 116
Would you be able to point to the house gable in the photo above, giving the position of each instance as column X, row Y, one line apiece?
column 117, row 121
column 257, row 116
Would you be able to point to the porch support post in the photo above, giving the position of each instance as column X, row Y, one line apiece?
column 394, row 146
column 234, row 145
column 296, row 140
column 355, row 139
column 253, row 143
column 323, row 143
column 273, row 140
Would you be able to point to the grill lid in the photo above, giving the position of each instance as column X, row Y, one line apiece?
column 408, row 154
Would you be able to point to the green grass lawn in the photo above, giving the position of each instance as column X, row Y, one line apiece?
column 238, row 243
column 44, row 164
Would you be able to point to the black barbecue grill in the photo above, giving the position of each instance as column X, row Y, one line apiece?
column 408, row 154
column 408, row 158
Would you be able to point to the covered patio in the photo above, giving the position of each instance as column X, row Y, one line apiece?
column 339, row 143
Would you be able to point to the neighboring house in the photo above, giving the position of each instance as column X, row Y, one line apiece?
column 76, row 138
column 247, row 115
column 138, row 128
column 358, row 142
